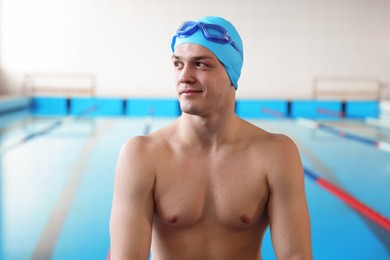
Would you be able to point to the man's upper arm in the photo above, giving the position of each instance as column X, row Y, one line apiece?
column 132, row 207
column 287, row 207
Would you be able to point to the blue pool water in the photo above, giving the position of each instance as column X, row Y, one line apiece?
column 56, row 188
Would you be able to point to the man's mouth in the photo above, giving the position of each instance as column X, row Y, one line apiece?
column 190, row 91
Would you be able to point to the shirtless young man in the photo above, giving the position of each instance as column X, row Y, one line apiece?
column 208, row 185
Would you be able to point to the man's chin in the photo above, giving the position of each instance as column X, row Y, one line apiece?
column 191, row 110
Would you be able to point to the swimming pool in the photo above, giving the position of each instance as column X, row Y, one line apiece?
column 56, row 185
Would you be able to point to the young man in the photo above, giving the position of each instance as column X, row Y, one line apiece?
column 208, row 185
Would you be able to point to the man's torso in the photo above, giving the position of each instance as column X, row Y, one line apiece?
column 210, row 204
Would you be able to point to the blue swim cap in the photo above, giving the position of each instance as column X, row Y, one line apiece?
column 226, row 53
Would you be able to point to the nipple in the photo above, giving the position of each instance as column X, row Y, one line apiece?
column 172, row 219
column 245, row 219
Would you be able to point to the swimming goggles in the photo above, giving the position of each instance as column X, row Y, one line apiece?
column 212, row 32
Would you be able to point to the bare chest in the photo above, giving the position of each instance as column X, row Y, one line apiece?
column 230, row 192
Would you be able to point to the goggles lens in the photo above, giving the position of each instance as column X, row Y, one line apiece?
column 212, row 32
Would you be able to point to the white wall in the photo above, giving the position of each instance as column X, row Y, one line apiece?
column 126, row 43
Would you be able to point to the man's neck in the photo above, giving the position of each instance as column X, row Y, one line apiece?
column 209, row 132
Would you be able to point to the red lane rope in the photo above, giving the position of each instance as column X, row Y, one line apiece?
column 363, row 209
column 360, row 207
column 351, row 201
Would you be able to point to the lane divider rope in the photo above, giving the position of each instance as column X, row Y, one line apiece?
column 351, row 201
column 315, row 125
column 48, row 129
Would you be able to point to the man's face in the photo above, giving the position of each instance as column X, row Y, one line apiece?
column 202, row 82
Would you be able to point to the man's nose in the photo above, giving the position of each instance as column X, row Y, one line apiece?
column 186, row 74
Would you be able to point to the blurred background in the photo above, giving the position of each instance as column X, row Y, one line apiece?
column 78, row 78
column 125, row 45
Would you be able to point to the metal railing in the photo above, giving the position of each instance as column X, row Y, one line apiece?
column 59, row 84
column 350, row 88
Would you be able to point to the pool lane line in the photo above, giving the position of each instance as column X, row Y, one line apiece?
column 54, row 226
column 48, row 129
column 351, row 201
column 384, row 146
column 357, row 205
column 368, row 120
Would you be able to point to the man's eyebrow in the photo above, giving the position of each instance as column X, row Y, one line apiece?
column 201, row 57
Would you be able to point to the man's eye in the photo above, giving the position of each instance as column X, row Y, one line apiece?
column 177, row 64
column 201, row 64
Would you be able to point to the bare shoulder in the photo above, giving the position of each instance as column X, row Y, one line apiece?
column 135, row 148
column 280, row 152
column 269, row 140
column 136, row 157
column 146, row 144
column 133, row 168
column 144, row 151
column 282, row 144
column 284, row 162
